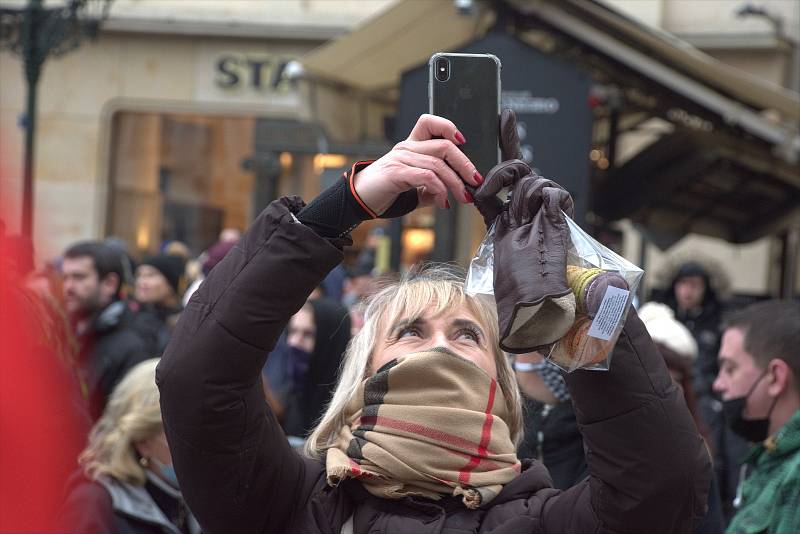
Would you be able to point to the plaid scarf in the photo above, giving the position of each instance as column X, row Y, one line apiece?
column 427, row 424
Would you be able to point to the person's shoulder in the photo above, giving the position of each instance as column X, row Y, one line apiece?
column 789, row 467
column 140, row 316
column 787, row 495
column 523, row 500
column 775, row 489
column 87, row 504
column 140, row 327
column 84, row 489
column 533, row 478
column 126, row 339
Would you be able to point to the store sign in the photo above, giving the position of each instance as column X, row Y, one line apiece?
column 260, row 73
column 684, row 118
column 525, row 102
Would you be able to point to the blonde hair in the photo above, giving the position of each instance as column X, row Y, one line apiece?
column 132, row 414
column 432, row 289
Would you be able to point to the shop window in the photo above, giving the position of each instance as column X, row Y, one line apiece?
column 186, row 177
column 177, row 177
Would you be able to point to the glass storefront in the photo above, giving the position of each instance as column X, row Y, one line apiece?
column 186, row 177
column 178, row 177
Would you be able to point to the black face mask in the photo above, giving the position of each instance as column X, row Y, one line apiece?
column 755, row 430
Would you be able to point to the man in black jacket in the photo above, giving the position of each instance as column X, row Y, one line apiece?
column 109, row 345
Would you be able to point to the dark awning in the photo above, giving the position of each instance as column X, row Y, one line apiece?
column 308, row 137
column 727, row 162
column 727, row 166
column 710, row 184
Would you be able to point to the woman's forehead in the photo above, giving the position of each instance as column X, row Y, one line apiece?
column 436, row 313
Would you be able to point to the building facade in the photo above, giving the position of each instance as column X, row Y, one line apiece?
column 763, row 45
column 149, row 132
column 185, row 117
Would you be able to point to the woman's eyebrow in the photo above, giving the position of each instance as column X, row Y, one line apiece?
column 415, row 321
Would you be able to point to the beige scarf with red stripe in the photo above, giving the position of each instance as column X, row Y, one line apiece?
column 427, row 424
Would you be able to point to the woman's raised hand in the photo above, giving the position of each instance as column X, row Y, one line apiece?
column 428, row 161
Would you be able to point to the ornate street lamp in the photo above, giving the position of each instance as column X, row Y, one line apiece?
column 35, row 32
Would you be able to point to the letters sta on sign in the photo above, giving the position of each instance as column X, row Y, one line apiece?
column 262, row 73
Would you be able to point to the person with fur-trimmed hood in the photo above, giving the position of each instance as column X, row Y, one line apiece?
column 693, row 297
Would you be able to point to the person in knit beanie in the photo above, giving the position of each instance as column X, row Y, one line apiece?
column 159, row 280
column 158, row 290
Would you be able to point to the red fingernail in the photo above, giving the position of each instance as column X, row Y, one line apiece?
column 478, row 177
column 460, row 138
column 468, row 196
column 447, row 204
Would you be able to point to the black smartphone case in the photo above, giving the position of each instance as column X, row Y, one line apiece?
column 471, row 99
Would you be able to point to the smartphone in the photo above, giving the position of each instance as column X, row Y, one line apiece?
column 465, row 88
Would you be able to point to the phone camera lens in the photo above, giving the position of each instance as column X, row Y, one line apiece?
column 442, row 69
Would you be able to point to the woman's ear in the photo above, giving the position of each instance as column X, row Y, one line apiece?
column 143, row 448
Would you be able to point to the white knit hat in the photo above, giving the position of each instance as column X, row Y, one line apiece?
column 666, row 330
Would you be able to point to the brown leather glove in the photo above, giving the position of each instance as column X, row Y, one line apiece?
column 535, row 306
column 486, row 201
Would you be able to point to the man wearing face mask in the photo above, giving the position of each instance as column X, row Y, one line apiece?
column 759, row 382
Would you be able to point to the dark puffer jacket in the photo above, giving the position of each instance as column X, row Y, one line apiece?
column 648, row 468
column 109, row 349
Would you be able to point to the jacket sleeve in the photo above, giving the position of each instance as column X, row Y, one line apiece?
column 236, row 469
column 649, row 470
column 87, row 509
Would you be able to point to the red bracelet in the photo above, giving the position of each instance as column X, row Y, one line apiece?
column 357, row 166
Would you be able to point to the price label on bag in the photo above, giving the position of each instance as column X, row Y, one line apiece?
column 608, row 316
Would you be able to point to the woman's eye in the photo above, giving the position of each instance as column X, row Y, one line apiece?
column 469, row 334
column 408, row 331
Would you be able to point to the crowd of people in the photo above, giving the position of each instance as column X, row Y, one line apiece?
column 688, row 327
column 293, row 339
column 111, row 317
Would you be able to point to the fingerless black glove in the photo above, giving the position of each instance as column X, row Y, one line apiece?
column 339, row 209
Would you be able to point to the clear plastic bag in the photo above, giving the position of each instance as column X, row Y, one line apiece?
column 604, row 284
